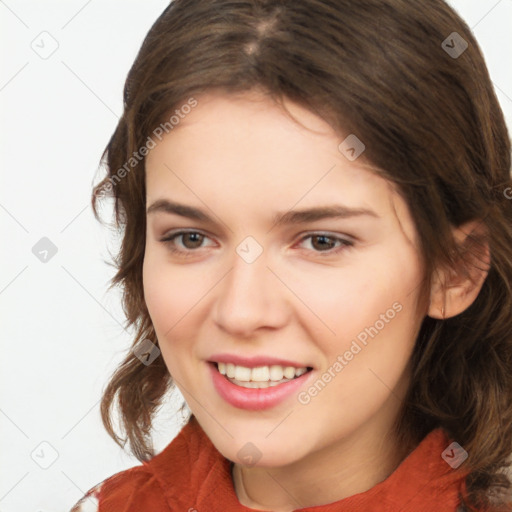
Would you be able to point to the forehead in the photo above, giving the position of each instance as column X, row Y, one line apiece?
column 250, row 132
column 246, row 152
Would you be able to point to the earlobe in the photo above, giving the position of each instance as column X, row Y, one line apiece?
column 453, row 290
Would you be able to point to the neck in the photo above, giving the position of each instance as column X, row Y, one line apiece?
column 350, row 466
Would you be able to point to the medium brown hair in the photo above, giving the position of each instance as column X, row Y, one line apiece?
column 431, row 124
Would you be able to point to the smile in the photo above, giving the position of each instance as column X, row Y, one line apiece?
column 261, row 376
column 257, row 388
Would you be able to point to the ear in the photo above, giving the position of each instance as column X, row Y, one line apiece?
column 454, row 289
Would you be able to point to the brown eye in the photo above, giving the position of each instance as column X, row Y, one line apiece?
column 326, row 244
column 192, row 240
column 184, row 241
column 323, row 242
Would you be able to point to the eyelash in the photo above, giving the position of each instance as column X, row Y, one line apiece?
column 169, row 240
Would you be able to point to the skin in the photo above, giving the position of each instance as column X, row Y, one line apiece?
column 241, row 159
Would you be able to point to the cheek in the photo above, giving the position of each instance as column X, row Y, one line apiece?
column 169, row 297
column 369, row 307
column 169, row 290
column 159, row 297
column 176, row 298
column 165, row 296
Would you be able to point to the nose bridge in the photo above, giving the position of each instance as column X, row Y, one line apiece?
column 249, row 296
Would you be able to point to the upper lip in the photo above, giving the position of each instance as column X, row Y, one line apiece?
column 254, row 361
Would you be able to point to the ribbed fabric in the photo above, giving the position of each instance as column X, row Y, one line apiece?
column 191, row 475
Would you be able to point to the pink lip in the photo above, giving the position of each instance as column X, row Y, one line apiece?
column 253, row 362
column 254, row 399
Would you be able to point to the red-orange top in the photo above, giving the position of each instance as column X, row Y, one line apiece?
column 191, row 475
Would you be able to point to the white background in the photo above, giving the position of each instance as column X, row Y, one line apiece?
column 62, row 333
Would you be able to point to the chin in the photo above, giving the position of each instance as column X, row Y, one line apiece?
column 262, row 454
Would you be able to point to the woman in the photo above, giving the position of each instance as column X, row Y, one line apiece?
column 317, row 251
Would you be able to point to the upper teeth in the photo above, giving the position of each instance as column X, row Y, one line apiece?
column 260, row 373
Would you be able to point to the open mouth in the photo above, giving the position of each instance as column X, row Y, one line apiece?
column 260, row 377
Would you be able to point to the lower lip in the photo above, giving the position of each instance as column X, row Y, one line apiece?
column 254, row 399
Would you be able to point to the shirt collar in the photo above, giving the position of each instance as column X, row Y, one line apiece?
column 194, row 475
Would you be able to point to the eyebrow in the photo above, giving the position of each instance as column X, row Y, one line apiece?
column 279, row 219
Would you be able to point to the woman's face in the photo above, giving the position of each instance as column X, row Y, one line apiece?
column 336, row 291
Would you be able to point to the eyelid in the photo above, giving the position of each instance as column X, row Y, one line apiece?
column 177, row 232
column 345, row 240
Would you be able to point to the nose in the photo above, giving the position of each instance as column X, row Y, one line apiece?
column 250, row 297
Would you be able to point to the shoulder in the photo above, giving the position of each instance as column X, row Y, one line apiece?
column 90, row 501
column 153, row 483
column 116, row 491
